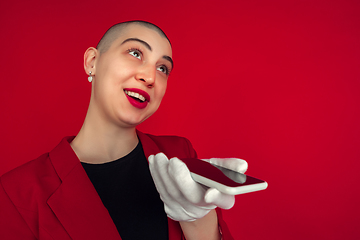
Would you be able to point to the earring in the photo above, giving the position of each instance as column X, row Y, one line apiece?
column 90, row 78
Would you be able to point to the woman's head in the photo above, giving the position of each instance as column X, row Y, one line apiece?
column 114, row 32
column 130, row 68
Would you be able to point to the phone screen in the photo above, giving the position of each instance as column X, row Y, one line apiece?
column 223, row 179
column 238, row 177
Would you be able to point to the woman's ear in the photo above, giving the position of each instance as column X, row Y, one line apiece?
column 89, row 60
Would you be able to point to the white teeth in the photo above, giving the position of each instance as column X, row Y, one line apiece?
column 136, row 95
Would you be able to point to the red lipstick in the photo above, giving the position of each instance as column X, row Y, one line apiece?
column 137, row 97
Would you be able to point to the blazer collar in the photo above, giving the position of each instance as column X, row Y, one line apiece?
column 151, row 148
column 75, row 202
column 65, row 160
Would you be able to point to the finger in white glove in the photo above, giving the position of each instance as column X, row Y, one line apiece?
column 219, row 199
column 235, row 164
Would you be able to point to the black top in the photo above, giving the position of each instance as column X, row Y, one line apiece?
column 127, row 190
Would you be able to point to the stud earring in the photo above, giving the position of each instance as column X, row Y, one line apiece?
column 90, row 78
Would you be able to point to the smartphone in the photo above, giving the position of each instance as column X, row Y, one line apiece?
column 223, row 179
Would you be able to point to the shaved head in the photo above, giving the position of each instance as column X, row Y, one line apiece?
column 115, row 31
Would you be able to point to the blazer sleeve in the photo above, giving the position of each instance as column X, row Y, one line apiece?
column 12, row 225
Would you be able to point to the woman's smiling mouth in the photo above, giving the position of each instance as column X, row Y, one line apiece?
column 138, row 98
column 135, row 95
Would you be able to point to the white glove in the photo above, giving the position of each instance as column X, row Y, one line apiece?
column 184, row 199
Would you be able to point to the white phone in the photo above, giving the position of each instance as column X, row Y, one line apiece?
column 223, row 179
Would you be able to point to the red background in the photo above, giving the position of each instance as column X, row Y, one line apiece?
column 273, row 82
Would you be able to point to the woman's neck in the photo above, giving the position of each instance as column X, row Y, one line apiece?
column 99, row 142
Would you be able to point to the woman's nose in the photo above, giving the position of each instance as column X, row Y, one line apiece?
column 147, row 74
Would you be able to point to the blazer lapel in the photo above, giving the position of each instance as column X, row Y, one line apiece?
column 150, row 147
column 76, row 203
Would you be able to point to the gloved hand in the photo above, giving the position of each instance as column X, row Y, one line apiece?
column 184, row 199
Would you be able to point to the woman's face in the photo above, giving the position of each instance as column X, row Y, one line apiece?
column 131, row 76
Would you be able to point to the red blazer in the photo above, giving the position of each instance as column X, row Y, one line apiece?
column 50, row 197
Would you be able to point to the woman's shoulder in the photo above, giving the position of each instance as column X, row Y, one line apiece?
column 167, row 138
column 171, row 145
column 27, row 169
column 36, row 177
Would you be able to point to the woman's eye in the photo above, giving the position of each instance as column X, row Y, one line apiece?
column 135, row 53
column 163, row 69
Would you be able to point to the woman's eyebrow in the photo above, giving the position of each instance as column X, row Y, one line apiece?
column 138, row 40
column 170, row 60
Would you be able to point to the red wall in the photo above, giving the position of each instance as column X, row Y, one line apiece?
column 274, row 82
